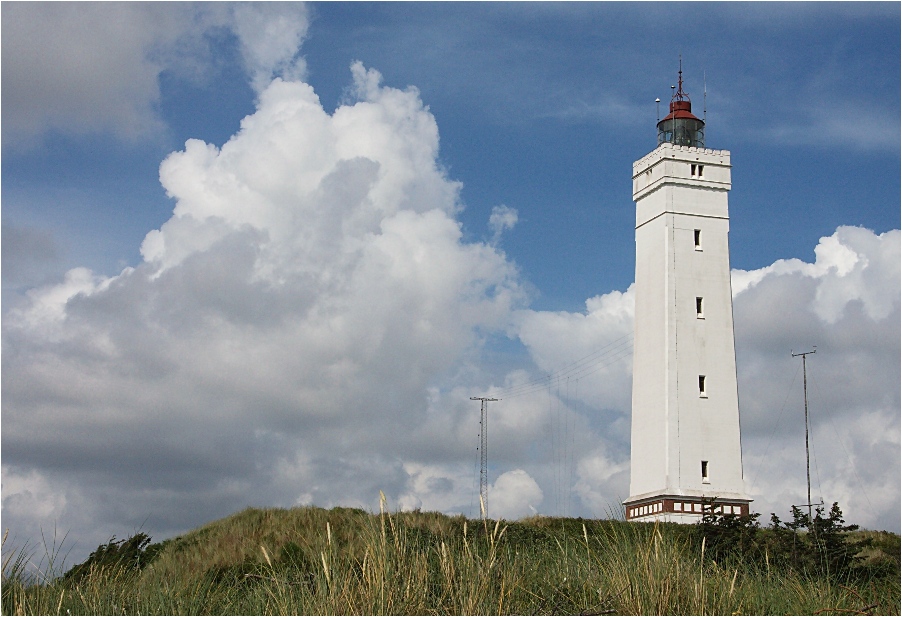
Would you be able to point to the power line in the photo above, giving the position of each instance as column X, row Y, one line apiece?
column 773, row 432
column 561, row 436
column 556, row 380
column 572, row 454
column 595, row 361
column 572, row 366
column 848, row 455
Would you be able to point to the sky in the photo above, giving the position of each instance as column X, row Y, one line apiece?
column 264, row 254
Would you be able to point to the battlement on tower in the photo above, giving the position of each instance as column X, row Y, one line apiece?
column 686, row 153
column 681, row 165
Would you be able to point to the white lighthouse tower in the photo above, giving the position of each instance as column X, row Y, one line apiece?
column 686, row 450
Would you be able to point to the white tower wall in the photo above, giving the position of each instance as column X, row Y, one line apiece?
column 683, row 334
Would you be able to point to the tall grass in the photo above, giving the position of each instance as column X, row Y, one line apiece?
column 345, row 561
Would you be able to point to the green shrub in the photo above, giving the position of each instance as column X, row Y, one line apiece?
column 820, row 546
column 129, row 555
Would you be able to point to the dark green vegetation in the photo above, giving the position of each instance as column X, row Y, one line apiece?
column 346, row 561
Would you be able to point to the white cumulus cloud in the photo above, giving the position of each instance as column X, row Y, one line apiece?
column 514, row 494
column 502, row 218
column 843, row 271
column 271, row 34
column 280, row 340
column 846, row 303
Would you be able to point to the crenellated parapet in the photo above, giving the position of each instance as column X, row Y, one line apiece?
column 669, row 150
column 671, row 164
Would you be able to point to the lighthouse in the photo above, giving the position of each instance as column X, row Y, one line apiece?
column 686, row 453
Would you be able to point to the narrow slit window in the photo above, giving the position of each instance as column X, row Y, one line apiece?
column 705, row 471
column 699, row 308
column 698, row 239
column 693, row 170
column 701, row 386
column 701, row 168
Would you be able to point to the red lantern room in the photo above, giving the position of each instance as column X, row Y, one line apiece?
column 680, row 127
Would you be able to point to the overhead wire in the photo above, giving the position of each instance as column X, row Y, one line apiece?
column 817, row 471
column 572, row 455
column 555, row 401
column 591, row 363
column 562, row 428
column 568, row 368
column 568, row 454
column 587, row 371
column 563, row 433
column 777, row 423
column 848, row 456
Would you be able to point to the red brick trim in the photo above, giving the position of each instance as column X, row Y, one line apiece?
column 693, row 506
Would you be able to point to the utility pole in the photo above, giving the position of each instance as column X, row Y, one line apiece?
column 805, row 385
column 483, row 453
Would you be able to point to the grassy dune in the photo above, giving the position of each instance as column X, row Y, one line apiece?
column 346, row 561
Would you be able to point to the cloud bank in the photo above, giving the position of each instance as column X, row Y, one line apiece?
column 847, row 304
column 280, row 338
column 308, row 327
column 87, row 68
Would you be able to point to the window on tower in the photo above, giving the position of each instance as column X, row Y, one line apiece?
column 699, row 312
column 701, row 386
column 698, row 239
column 701, row 168
column 705, row 472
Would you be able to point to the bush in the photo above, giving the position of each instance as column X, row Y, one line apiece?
column 730, row 536
column 129, row 555
column 822, row 546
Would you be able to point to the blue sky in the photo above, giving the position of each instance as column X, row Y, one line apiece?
column 539, row 107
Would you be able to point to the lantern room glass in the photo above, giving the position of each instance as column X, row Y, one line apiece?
column 682, row 132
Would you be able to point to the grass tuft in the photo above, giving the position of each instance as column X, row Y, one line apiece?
column 347, row 561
